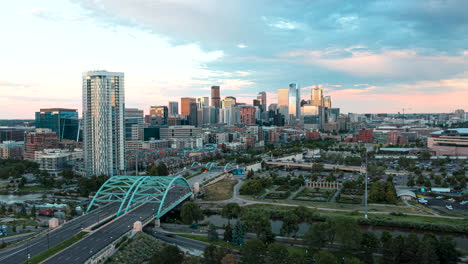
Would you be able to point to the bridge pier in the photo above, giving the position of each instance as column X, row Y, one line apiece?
column 157, row 222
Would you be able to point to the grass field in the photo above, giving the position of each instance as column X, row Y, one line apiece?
column 220, row 191
column 404, row 221
column 372, row 207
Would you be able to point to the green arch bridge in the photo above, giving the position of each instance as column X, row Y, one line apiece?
column 131, row 191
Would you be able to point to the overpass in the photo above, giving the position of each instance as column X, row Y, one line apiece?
column 309, row 166
column 123, row 200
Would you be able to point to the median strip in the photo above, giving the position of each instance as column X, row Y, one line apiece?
column 55, row 249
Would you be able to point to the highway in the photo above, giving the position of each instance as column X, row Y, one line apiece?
column 42, row 242
column 88, row 246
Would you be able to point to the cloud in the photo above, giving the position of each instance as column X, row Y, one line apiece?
column 389, row 63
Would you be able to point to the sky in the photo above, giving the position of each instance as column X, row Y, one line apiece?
column 368, row 55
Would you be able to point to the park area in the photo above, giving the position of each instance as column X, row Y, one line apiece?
column 219, row 191
column 282, row 192
column 350, row 196
column 315, row 195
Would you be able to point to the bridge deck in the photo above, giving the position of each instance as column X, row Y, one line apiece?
column 38, row 244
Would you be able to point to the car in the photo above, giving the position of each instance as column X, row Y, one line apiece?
column 449, row 207
column 451, row 200
column 463, row 202
column 439, row 197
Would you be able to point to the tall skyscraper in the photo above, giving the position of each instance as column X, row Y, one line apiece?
column 185, row 105
column 215, row 97
column 173, row 108
column 283, row 97
column 203, row 101
column 134, row 120
column 317, row 96
column 262, row 96
column 103, row 122
column 229, row 102
column 193, row 115
column 327, row 101
column 294, row 106
column 64, row 122
column 158, row 115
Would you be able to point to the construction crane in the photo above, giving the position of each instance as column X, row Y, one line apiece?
column 404, row 109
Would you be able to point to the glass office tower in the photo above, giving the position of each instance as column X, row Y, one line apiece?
column 294, row 102
column 64, row 122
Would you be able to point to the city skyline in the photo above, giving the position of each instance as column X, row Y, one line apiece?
column 325, row 43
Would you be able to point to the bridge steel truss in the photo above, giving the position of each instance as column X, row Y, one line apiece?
column 210, row 165
column 229, row 166
column 132, row 191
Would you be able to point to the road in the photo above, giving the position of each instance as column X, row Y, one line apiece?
column 108, row 233
column 42, row 242
column 186, row 243
column 204, row 176
column 16, row 238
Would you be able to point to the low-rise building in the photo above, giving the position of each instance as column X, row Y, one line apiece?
column 11, row 150
column 450, row 142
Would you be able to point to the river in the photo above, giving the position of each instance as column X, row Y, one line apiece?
column 460, row 239
column 12, row 198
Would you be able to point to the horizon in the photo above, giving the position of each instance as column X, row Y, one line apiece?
column 172, row 49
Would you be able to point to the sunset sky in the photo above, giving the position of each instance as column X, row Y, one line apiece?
column 370, row 56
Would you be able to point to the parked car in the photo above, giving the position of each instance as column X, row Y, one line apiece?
column 439, row 197
column 449, row 207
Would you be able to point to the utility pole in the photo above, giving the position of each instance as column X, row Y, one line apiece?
column 136, row 163
column 365, row 191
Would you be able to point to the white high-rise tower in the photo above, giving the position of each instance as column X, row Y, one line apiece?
column 103, row 122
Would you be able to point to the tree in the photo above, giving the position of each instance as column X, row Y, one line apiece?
column 393, row 250
column 259, row 224
column 446, row 251
column 68, row 174
column 227, row 233
column 168, row 255
column 190, row 213
column 353, row 260
column 214, row 254
column 325, row 257
column 437, row 180
column 290, row 225
column 425, row 155
column 427, row 183
column 385, row 237
column 253, row 251
column 369, row 244
column 212, row 233
column 317, row 167
column 238, row 234
column 229, row 259
column 347, row 233
column 420, row 179
column 277, row 254
column 320, row 235
column 426, row 253
column 231, row 210
column 33, row 211
column 410, row 182
column 411, row 247
column 162, row 169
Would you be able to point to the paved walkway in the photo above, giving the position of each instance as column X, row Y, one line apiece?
column 295, row 193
